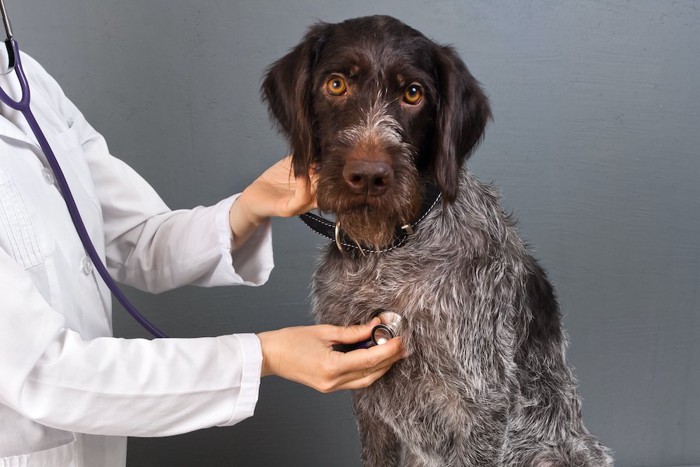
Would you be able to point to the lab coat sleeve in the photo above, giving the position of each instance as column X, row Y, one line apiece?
column 153, row 248
column 109, row 386
column 147, row 245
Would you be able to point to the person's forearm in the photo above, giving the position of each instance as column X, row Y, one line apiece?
column 243, row 221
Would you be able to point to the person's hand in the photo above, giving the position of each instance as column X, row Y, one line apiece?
column 276, row 193
column 305, row 355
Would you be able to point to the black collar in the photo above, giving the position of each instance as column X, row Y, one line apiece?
column 333, row 231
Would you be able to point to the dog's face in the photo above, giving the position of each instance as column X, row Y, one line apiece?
column 380, row 110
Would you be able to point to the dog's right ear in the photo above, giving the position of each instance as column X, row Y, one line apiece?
column 287, row 91
column 462, row 115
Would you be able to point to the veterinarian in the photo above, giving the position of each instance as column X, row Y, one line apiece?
column 69, row 392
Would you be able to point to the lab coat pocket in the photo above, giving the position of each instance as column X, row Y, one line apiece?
column 17, row 234
column 62, row 456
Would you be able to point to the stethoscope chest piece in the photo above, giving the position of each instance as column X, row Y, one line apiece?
column 388, row 329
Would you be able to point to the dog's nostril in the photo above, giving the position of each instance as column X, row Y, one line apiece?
column 365, row 177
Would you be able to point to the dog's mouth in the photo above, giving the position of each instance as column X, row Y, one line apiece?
column 372, row 221
column 364, row 226
column 364, row 204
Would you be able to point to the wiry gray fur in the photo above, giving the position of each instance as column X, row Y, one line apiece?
column 460, row 398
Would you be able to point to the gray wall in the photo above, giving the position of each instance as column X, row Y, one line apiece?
column 595, row 145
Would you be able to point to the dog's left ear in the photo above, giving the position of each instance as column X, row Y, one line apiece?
column 287, row 91
column 462, row 114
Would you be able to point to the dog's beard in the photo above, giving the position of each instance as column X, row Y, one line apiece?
column 368, row 220
column 369, row 227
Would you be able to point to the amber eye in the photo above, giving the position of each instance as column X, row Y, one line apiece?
column 413, row 94
column 336, row 85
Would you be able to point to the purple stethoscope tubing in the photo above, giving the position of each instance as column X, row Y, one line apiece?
column 22, row 105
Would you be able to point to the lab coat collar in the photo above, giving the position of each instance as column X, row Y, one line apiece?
column 10, row 84
column 9, row 130
column 13, row 135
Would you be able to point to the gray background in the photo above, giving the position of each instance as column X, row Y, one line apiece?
column 595, row 145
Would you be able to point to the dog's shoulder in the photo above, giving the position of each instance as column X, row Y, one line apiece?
column 474, row 226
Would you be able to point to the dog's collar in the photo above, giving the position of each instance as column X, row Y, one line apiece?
column 334, row 231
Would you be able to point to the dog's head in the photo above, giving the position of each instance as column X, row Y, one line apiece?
column 381, row 110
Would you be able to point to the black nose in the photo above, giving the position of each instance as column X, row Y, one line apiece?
column 368, row 177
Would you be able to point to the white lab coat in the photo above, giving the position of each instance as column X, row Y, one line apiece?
column 70, row 393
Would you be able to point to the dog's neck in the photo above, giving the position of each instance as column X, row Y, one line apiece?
column 334, row 231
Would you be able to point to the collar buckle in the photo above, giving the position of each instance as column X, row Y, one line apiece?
column 408, row 229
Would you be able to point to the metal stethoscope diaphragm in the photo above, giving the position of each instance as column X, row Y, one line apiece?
column 388, row 329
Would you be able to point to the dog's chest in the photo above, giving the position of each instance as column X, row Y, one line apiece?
column 350, row 290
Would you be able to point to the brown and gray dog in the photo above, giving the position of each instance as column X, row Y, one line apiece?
column 389, row 118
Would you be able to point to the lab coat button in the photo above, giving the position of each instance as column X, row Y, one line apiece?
column 86, row 265
column 48, row 175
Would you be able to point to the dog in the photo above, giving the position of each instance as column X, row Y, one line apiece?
column 388, row 118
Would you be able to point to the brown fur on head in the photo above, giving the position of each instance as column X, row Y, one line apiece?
column 381, row 110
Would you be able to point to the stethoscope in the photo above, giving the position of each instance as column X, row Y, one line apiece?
column 388, row 328
column 22, row 105
column 380, row 334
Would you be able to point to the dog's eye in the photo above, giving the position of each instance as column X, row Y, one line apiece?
column 413, row 94
column 336, row 85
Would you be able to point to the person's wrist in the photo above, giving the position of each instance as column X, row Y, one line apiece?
column 243, row 220
column 246, row 211
column 264, row 338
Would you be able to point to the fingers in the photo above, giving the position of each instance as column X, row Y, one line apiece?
column 360, row 368
column 363, row 381
column 292, row 195
column 374, row 357
column 304, row 198
column 353, row 334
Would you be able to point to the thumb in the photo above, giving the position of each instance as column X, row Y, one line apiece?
column 356, row 333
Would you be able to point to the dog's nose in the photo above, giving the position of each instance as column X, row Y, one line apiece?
column 370, row 177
